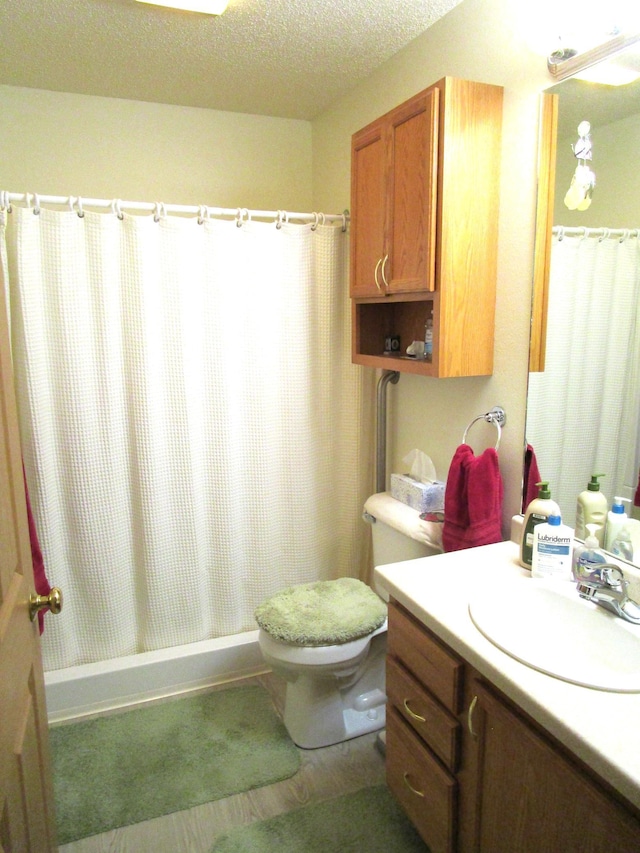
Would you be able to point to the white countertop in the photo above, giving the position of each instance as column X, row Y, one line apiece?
column 602, row 728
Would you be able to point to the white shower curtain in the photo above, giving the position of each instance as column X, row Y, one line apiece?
column 191, row 423
column 582, row 411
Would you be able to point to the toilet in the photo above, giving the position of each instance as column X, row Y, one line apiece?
column 328, row 639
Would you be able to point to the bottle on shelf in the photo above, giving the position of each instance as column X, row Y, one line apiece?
column 428, row 340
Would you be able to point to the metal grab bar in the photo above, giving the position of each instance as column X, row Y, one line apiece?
column 381, row 427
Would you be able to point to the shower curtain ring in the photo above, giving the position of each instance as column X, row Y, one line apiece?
column 315, row 222
column 604, row 235
column 242, row 216
column 78, row 206
column 5, row 204
column 36, row 204
column 159, row 211
column 115, row 207
column 203, row 213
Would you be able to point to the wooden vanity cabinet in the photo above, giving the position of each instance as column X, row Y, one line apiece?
column 474, row 773
column 424, row 682
column 534, row 797
column 424, row 227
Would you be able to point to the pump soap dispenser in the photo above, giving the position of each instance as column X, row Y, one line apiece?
column 591, row 508
column 537, row 512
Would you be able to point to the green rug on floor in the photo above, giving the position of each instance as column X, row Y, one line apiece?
column 128, row 767
column 369, row 821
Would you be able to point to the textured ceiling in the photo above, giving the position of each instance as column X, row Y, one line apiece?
column 286, row 58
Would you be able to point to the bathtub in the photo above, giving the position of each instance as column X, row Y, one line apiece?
column 106, row 685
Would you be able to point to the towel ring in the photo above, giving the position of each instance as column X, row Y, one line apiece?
column 496, row 416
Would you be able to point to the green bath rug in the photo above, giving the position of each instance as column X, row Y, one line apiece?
column 369, row 821
column 121, row 769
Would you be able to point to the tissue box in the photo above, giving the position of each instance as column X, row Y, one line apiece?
column 425, row 497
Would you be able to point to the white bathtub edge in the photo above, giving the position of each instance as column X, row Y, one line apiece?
column 122, row 682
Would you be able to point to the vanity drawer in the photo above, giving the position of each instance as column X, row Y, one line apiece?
column 425, row 657
column 424, row 789
column 431, row 721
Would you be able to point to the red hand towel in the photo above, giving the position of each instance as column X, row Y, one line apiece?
column 531, row 478
column 472, row 500
column 39, row 575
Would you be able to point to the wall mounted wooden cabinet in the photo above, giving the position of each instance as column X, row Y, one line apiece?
column 424, row 229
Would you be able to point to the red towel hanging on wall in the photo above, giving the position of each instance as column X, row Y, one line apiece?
column 39, row 574
column 472, row 500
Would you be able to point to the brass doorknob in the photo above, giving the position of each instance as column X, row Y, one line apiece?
column 53, row 601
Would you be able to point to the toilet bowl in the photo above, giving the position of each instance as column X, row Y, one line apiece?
column 335, row 676
column 334, row 693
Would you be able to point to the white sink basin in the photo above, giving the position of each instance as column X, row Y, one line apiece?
column 548, row 627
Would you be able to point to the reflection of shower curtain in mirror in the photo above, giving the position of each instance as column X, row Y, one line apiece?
column 190, row 419
column 582, row 412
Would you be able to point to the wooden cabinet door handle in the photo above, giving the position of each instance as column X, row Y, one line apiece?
column 375, row 274
column 472, row 708
column 384, row 278
column 413, row 790
column 412, row 714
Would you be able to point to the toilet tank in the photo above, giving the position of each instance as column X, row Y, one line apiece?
column 398, row 533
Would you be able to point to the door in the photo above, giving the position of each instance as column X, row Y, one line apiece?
column 26, row 792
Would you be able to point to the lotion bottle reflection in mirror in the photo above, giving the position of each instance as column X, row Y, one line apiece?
column 591, row 508
column 617, row 518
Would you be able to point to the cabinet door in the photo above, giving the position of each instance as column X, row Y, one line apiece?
column 534, row 799
column 411, row 213
column 368, row 209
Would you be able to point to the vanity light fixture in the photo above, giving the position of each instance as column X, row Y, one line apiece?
column 563, row 64
column 205, row 7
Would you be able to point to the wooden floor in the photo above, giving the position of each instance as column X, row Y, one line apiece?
column 324, row 773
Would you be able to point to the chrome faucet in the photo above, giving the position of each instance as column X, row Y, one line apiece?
column 607, row 586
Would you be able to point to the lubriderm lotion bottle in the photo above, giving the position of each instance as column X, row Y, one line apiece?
column 552, row 550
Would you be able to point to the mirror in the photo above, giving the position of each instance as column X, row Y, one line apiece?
column 583, row 402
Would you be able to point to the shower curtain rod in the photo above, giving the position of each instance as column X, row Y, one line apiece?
column 203, row 211
column 601, row 233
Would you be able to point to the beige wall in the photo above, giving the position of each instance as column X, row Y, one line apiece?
column 484, row 40
column 61, row 144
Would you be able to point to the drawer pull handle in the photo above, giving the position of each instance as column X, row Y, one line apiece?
column 410, row 786
column 472, row 708
column 413, row 715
